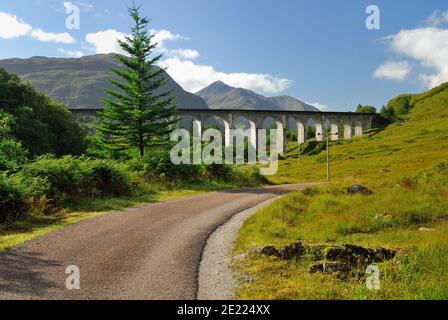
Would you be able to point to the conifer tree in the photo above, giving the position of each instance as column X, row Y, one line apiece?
column 139, row 114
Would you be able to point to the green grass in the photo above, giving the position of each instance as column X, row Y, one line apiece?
column 403, row 166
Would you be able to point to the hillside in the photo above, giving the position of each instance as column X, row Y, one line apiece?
column 78, row 83
column 38, row 123
column 218, row 95
column 406, row 167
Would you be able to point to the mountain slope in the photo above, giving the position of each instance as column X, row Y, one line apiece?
column 218, row 95
column 78, row 83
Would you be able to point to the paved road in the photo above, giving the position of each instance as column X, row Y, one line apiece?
column 149, row 252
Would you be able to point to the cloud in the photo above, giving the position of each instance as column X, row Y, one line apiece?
column 320, row 106
column 193, row 77
column 160, row 36
column 188, row 54
column 437, row 19
column 71, row 54
column 52, row 37
column 12, row 27
column 429, row 46
column 106, row 41
column 391, row 70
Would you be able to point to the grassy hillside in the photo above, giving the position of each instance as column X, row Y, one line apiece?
column 407, row 169
column 78, row 83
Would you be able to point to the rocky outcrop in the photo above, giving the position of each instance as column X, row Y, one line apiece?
column 359, row 189
column 343, row 260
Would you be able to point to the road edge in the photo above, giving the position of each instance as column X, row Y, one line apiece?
column 216, row 280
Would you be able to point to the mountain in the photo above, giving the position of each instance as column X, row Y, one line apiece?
column 78, row 83
column 218, row 95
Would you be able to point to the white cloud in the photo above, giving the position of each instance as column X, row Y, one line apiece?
column 106, row 41
column 320, row 106
column 391, row 70
column 193, row 77
column 52, row 37
column 71, row 54
column 429, row 46
column 163, row 35
column 12, row 27
column 437, row 19
column 188, row 54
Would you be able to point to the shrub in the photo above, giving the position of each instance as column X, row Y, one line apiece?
column 41, row 124
column 70, row 179
column 441, row 167
column 158, row 165
column 12, row 155
column 12, row 203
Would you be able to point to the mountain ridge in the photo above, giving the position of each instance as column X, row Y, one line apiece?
column 78, row 83
column 219, row 95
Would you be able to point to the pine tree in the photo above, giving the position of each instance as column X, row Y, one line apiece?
column 137, row 115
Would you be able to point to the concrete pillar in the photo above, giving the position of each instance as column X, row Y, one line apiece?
column 358, row 128
column 227, row 134
column 300, row 131
column 280, row 138
column 230, row 117
column 197, row 141
column 319, row 130
column 368, row 123
column 334, row 131
column 347, row 131
column 252, row 152
column 285, row 138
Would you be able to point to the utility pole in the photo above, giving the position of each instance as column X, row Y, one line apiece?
column 328, row 134
column 328, row 158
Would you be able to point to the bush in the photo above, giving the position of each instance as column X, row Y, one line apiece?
column 41, row 124
column 12, row 155
column 12, row 203
column 158, row 165
column 70, row 179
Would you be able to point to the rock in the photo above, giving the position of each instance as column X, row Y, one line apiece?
column 384, row 254
column 357, row 256
column 270, row 251
column 330, row 267
column 347, row 260
column 293, row 251
column 359, row 189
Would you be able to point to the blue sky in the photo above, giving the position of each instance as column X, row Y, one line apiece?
column 317, row 51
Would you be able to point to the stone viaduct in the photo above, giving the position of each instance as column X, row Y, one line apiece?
column 352, row 124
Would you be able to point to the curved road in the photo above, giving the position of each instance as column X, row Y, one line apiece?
column 149, row 252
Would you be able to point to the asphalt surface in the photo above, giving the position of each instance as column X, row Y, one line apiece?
column 149, row 252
